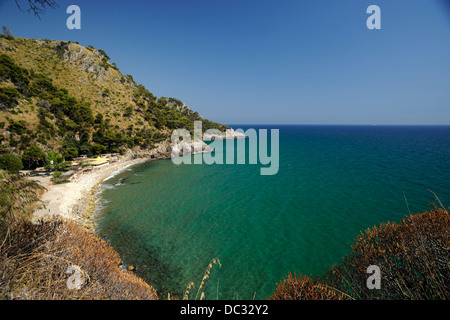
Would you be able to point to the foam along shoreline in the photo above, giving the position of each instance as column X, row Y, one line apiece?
column 75, row 200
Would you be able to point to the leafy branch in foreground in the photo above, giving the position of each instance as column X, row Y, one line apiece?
column 38, row 7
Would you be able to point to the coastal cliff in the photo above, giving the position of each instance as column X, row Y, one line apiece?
column 62, row 97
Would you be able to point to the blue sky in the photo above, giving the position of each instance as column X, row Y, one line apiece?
column 280, row 62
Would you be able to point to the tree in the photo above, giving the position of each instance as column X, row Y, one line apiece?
column 33, row 156
column 11, row 163
column 103, row 53
column 161, row 120
column 86, row 148
column 8, row 97
column 7, row 32
column 54, row 160
column 128, row 111
column 38, row 7
column 98, row 118
column 98, row 149
column 69, row 152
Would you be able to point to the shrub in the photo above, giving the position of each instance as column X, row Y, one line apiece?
column 34, row 257
column 98, row 118
column 105, row 63
column 11, row 163
column 128, row 111
column 41, row 85
column 9, row 70
column 33, row 156
column 413, row 257
column 69, row 152
column 17, row 127
column 56, row 175
column 98, row 149
column 8, row 97
column 103, row 53
column 130, row 79
column 54, row 160
column 37, row 262
column 294, row 287
column 17, row 195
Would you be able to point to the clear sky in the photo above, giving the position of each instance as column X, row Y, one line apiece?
column 267, row 61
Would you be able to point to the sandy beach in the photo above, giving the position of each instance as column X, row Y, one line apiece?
column 75, row 199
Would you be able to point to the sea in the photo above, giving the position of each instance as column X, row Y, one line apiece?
column 229, row 232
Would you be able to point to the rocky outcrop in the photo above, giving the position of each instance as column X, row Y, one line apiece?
column 87, row 60
column 181, row 106
column 193, row 147
column 228, row 134
column 164, row 149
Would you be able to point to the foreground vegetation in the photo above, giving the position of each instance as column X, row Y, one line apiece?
column 54, row 108
column 413, row 257
column 45, row 260
column 37, row 260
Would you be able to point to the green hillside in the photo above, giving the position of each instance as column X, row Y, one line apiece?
column 72, row 100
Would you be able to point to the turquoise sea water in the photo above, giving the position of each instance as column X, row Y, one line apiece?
column 333, row 182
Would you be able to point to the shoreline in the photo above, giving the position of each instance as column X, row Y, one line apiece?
column 95, row 192
column 75, row 200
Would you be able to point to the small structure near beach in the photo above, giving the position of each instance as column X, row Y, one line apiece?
column 94, row 162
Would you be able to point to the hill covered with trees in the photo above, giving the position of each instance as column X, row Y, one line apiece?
column 66, row 100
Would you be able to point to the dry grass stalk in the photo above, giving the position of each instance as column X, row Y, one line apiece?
column 207, row 273
column 188, row 288
column 191, row 284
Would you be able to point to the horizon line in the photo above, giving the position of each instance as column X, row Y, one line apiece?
column 338, row 124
